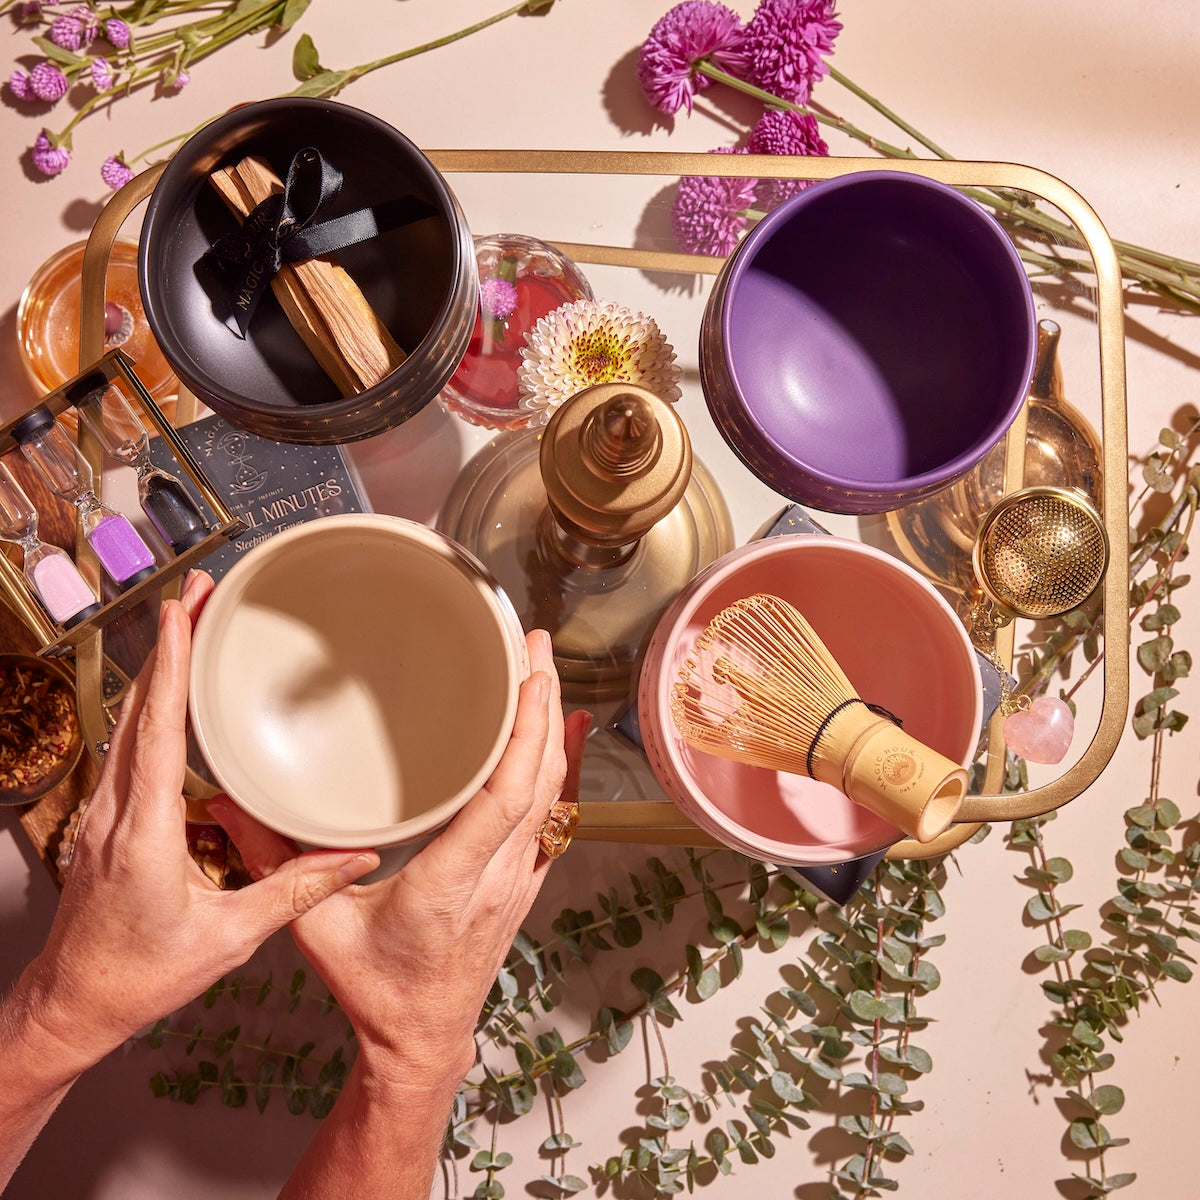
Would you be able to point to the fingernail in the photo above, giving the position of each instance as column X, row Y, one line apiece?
column 162, row 614
column 222, row 811
column 356, row 867
column 541, row 683
column 544, row 638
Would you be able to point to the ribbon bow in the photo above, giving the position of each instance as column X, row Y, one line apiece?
column 283, row 229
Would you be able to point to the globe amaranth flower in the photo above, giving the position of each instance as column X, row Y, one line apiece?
column 497, row 298
column 47, row 82
column 117, row 32
column 115, row 171
column 786, row 43
column 681, row 37
column 49, row 159
column 89, row 22
column 710, row 211
column 180, row 81
column 18, row 84
column 102, row 74
column 589, row 342
column 66, row 31
column 784, row 132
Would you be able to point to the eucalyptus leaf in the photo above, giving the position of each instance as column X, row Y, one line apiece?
column 1108, row 1099
column 1174, row 969
column 785, row 1087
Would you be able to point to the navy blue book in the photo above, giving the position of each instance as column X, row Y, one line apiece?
column 270, row 485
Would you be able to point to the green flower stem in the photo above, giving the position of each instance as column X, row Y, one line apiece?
column 227, row 31
column 358, row 72
column 706, row 68
column 342, row 79
column 886, row 112
column 1173, row 278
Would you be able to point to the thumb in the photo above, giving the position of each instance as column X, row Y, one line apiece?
column 287, row 883
column 299, row 885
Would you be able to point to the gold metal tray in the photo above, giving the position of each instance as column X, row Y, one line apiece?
column 659, row 821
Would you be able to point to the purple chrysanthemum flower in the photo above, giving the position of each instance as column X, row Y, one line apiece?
column 66, row 31
column 497, row 298
column 684, row 35
column 48, row 158
column 102, row 74
column 786, row 44
column 117, row 32
column 709, row 213
column 47, row 82
column 779, row 132
column 115, row 171
column 18, row 84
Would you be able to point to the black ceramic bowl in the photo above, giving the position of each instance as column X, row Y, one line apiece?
column 420, row 278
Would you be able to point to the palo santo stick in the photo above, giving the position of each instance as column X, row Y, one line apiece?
column 325, row 306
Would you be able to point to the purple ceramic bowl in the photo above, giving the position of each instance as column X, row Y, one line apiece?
column 868, row 342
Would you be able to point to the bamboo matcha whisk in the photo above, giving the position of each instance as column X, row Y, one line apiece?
column 760, row 687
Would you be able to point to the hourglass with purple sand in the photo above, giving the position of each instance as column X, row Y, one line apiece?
column 172, row 512
column 53, row 576
column 119, row 547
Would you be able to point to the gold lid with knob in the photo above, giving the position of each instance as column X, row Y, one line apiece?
column 615, row 460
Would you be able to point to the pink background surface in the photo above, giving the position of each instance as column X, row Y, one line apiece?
column 1105, row 102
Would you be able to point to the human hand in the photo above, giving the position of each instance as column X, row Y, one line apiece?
column 411, row 957
column 140, row 929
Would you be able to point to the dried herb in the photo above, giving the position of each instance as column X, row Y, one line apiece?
column 38, row 725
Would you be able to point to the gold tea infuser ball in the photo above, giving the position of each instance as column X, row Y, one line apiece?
column 1040, row 552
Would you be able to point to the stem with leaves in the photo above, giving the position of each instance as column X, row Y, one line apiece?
column 1172, row 278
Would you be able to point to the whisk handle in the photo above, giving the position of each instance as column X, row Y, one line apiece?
column 902, row 780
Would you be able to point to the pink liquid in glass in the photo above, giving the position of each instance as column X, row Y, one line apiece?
column 120, row 549
column 61, row 588
column 484, row 388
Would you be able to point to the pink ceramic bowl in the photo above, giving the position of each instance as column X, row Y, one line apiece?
column 899, row 643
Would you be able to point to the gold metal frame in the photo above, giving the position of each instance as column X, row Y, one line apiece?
column 86, row 638
column 661, row 821
column 117, row 365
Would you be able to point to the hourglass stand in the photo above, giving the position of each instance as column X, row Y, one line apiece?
column 85, row 640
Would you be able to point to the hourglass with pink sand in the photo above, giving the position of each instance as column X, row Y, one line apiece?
column 119, row 547
column 49, row 570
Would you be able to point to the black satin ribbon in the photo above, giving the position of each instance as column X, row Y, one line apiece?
column 284, row 229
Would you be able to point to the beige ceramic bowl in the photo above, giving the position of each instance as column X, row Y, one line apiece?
column 354, row 680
